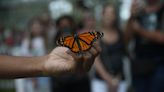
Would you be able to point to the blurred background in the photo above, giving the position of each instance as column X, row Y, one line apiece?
column 131, row 59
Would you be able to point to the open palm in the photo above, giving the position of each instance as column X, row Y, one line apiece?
column 61, row 60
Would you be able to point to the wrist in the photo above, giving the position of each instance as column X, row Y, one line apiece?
column 41, row 65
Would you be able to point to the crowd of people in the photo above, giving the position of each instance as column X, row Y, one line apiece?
column 144, row 30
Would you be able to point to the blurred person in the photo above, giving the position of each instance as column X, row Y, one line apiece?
column 65, row 25
column 35, row 45
column 46, row 19
column 34, row 40
column 2, row 38
column 50, row 29
column 6, row 40
column 109, row 64
column 17, row 40
column 18, row 35
column 87, row 23
column 2, row 28
column 73, row 82
column 145, row 28
column 9, row 41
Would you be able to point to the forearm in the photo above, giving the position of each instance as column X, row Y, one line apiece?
column 155, row 36
column 127, row 36
column 19, row 67
column 136, row 28
column 103, row 73
column 128, row 33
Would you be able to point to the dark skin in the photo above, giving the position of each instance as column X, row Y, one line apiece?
column 60, row 61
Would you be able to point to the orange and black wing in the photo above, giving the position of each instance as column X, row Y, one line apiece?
column 86, row 39
column 69, row 42
column 80, row 44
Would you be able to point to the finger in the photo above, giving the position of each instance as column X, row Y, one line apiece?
column 76, row 56
column 88, row 61
column 97, row 47
column 95, row 50
column 87, row 56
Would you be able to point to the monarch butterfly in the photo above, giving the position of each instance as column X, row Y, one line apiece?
column 79, row 42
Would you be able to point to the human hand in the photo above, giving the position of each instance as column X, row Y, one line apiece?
column 136, row 27
column 62, row 61
column 137, row 7
column 113, row 84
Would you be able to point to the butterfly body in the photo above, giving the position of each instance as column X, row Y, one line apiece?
column 76, row 39
column 80, row 42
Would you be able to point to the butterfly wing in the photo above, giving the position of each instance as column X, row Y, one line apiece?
column 83, row 42
column 75, row 47
column 86, row 39
column 69, row 42
column 84, row 46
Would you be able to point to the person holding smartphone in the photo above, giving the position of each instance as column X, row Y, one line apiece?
column 145, row 27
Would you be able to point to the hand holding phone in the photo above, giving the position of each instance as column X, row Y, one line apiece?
column 137, row 7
